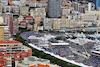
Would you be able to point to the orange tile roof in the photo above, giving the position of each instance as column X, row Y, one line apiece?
column 32, row 66
column 29, row 16
column 39, row 65
column 1, row 54
column 21, row 55
column 7, row 55
column 9, row 42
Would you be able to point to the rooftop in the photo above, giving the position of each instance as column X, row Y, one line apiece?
column 80, row 41
column 9, row 42
column 39, row 65
column 35, row 62
column 7, row 55
column 59, row 43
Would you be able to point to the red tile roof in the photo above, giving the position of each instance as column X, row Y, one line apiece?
column 32, row 66
column 29, row 16
column 39, row 65
column 1, row 54
column 7, row 55
column 20, row 55
column 2, row 60
column 9, row 42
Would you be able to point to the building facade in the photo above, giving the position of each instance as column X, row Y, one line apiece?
column 24, row 10
column 1, row 33
column 97, row 4
column 4, row 33
column 7, row 9
column 10, row 47
column 54, row 8
column 8, row 19
column 47, row 24
column 62, row 23
column 20, row 18
column 1, row 20
column 15, row 27
column 8, row 60
column 1, row 9
column 16, row 2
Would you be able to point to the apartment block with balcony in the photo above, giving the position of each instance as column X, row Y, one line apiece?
column 38, row 12
column 8, row 19
column 1, row 33
column 8, row 60
column 4, row 33
column 10, row 47
column 5, row 60
column 62, row 23
column 55, row 23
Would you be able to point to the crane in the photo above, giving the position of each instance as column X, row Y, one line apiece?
column 86, row 51
column 87, row 54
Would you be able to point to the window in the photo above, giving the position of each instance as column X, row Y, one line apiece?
column 1, row 37
column 7, row 60
column 1, row 32
column 6, row 19
column 8, row 57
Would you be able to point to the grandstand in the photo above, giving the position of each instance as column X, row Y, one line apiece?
column 94, row 60
column 62, row 50
column 73, row 48
column 25, row 35
column 79, row 43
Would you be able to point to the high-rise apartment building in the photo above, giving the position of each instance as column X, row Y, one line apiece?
column 75, row 5
column 78, row 7
column 4, row 33
column 97, row 4
column 54, row 8
column 0, row 9
column 8, row 19
column 1, row 33
column 15, row 27
column 82, row 9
